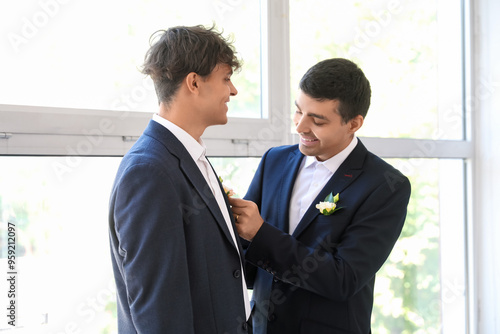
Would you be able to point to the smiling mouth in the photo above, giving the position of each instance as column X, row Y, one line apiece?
column 308, row 141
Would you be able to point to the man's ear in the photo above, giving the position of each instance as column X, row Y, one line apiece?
column 356, row 123
column 191, row 81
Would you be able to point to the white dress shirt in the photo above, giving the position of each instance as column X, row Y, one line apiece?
column 311, row 179
column 197, row 151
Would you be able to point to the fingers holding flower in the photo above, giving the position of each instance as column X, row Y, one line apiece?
column 229, row 191
column 246, row 216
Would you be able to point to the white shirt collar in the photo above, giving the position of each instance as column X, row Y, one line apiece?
column 196, row 149
column 334, row 162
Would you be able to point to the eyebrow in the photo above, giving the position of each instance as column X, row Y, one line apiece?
column 230, row 69
column 311, row 114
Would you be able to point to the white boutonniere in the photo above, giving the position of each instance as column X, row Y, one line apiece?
column 329, row 206
column 229, row 191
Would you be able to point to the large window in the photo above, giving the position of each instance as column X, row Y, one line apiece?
column 63, row 271
column 417, row 83
column 421, row 288
column 411, row 51
column 73, row 70
column 88, row 54
column 73, row 101
column 64, row 281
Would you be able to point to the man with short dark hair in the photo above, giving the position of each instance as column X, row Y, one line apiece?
column 176, row 256
column 330, row 213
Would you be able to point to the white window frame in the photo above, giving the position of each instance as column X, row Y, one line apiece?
column 484, row 178
column 35, row 130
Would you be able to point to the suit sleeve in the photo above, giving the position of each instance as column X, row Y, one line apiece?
column 337, row 270
column 149, row 226
column 254, row 194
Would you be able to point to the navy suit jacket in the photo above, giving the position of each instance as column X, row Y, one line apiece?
column 320, row 279
column 176, row 267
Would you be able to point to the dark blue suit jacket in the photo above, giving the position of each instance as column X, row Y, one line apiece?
column 176, row 267
column 320, row 279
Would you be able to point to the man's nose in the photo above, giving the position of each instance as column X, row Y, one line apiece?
column 232, row 90
column 301, row 125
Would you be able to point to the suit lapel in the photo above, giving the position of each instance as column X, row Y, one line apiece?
column 194, row 175
column 228, row 208
column 347, row 172
column 191, row 171
column 286, row 187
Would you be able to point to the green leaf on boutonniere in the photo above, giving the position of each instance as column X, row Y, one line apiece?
column 329, row 198
column 332, row 199
column 229, row 192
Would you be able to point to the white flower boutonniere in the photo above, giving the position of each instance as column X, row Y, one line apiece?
column 229, row 191
column 329, row 206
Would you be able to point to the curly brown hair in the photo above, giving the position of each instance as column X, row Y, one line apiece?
column 181, row 50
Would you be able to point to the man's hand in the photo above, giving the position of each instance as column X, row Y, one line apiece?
column 247, row 217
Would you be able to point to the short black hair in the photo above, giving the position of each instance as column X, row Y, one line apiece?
column 339, row 79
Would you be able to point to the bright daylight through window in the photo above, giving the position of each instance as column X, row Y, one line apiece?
column 67, row 64
column 416, row 81
column 88, row 54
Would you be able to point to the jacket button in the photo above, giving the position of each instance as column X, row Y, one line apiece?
column 271, row 317
column 245, row 326
column 237, row 273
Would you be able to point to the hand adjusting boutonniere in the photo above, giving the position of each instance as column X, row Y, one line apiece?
column 229, row 191
column 329, row 206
